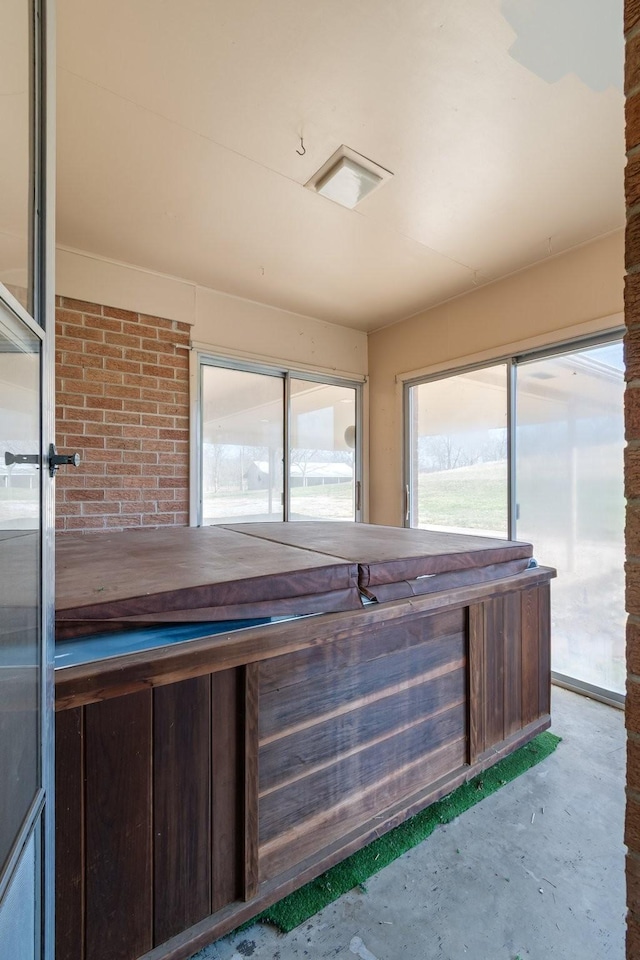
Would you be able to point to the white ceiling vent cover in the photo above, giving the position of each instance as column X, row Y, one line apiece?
column 347, row 177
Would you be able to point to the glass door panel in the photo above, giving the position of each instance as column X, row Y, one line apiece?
column 242, row 446
column 570, row 438
column 20, row 673
column 322, row 443
column 458, row 474
column 16, row 168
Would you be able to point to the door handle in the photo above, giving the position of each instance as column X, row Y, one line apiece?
column 61, row 459
column 11, row 458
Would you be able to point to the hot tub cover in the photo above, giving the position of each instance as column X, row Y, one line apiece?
column 394, row 555
column 186, row 574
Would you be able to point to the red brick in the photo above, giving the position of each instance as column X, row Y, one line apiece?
column 140, row 380
column 120, row 314
column 106, row 456
column 632, row 412
column 120, row 522
column 80, row 415
column 72, row 317
column 632, row 707
column 112, row 326
column 130, row 418
column 106, row 404
column 161, row 470
column 140, row 458
column 142, row 406
column 84, row 523
column 158, row 519
column 100, row 509
column 68, row 344
column 147, row 483
column 125, row 471
column 83, row 387
column 102, row 350
column 142, row 506
column 87, row 333
column 68, row 509
column 160, row 322
column 633, row 647
column 124, row 340
column 122, row 366
column 126, row 392
column 140, row 356
column 84, row 494
column 82, row 305
column 120, row 443
column 632, row 118
column 142, row 433
column 127, row 493
column 155, row 370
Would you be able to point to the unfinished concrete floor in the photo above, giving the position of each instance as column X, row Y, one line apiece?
column 534, row 872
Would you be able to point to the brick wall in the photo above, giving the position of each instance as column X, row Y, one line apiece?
column 632, row 469
column 122, row 401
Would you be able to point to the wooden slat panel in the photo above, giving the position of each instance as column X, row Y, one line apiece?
column 294, row 756
column 70, row 866
column 308, row 700
column 544, row 597
column 119, row 911
column 251, row 780
column 530, row 655
column 377, row 641
column 309, row 836
column 227, row 839
column 512, row 664
column 476, row 625
column 494, row 671
column 327, row 788
column 182, row 813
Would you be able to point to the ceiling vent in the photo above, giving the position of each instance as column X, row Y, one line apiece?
column 347, row 178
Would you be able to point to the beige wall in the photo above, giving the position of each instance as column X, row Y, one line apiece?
column 572, row 295
column 220, row 323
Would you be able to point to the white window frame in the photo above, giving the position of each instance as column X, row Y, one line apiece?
column 285, row 374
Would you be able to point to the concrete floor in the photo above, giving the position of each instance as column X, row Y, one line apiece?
column 534, row 872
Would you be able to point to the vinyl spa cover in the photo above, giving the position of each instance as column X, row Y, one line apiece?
column 188, row 574
column 397, row 562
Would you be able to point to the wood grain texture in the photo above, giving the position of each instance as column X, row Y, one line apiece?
column 227, row 765
column 494, row 671
column 181, row 805
column 348, row 776
column 309, row 837
column 307, row 701
column 70, row 828
column 544, row 649
column 380, row 640
column 119, row 900
column 512, row 696
column 251, row 779
column 295, row 755
column 530, row 639
column 476, row 630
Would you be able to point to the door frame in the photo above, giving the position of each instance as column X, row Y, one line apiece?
column 40, row 821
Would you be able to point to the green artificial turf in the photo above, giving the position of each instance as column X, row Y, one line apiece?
column 356, row 869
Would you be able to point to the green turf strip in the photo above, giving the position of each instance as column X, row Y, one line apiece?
column 304, row 903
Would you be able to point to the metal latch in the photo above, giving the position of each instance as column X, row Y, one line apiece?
column 61, row 459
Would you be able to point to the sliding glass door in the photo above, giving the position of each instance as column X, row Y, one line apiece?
column 545, row 434
column 458, row 465
column 277, row 446
column 570, row 438
column 322, row 460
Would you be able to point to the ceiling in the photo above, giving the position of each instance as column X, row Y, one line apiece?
column 180, row 126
